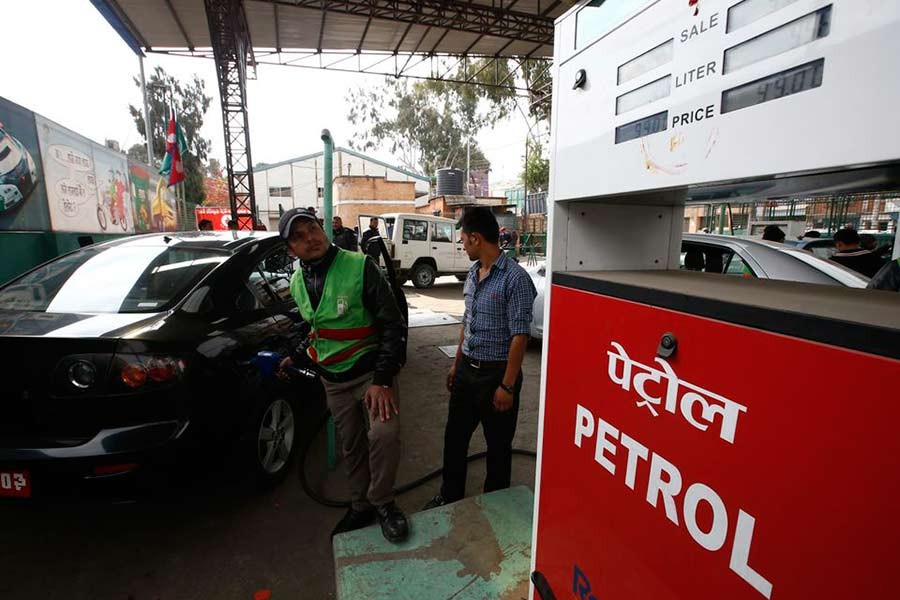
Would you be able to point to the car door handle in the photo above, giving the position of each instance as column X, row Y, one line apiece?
column 434, row 247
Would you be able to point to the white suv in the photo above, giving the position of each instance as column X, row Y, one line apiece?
column 423, row 246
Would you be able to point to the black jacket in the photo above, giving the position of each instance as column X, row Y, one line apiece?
column 379, row 299
column 862, row 261
column 345, row 238
column 888, row 278
column 372, row 250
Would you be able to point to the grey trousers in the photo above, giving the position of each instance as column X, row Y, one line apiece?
column 371, row 449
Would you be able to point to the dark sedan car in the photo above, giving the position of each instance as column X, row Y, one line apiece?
column 120, row 355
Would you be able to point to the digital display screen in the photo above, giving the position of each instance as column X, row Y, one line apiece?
column 646, row 62
column 653, row 91
column 799, row 32
column 751, row 11
column 786, row 83
column 642, row 128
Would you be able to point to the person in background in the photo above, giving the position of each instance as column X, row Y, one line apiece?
column 205, row 225
column 773, row 233
column 342, row 236
column 358, row 345
column 851, row 255
column 232, row 225
column 812, row 234
column 887, row 277
column 505, row 238
column 486, row 378
column 372, row 250
column 867, row 241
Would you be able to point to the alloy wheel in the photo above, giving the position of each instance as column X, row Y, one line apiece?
column 276, row 436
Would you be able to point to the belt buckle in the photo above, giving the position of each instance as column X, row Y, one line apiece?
column 475, row 364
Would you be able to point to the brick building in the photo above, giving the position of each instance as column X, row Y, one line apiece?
column 299, row 182
column 364, row 194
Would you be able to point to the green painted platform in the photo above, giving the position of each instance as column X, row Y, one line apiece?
column 478, row 548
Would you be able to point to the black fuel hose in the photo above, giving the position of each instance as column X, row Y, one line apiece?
column 406, row 487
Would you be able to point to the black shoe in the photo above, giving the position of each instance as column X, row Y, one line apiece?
column 435, row 502
column 353, row 520
column 394, row 525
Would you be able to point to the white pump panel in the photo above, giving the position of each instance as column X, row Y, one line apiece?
column 741, row 90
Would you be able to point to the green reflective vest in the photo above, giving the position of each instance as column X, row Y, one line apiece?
column 342, row 329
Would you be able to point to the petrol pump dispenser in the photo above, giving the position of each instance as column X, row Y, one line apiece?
column 711, row 436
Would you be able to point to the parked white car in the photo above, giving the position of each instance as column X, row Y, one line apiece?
column 423, row 247
column 743, row 257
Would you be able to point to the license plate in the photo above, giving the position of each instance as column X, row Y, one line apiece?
column 15, row 484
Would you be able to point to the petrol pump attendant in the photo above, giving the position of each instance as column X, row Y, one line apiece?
column 356, row 342
column 486, row 377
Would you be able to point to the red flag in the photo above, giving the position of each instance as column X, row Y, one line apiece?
column 173, row 165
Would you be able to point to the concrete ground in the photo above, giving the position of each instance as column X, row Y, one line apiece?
column 211, row 537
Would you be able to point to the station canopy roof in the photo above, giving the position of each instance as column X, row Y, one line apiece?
column 495, row 28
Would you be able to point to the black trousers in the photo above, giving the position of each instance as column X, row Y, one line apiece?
column 471, row 403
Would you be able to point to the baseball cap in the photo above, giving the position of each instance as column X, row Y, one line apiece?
column 288, row 218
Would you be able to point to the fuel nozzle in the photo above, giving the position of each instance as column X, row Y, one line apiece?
column 269, row 362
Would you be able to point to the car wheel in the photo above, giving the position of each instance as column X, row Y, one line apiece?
column 423, row 276
column 462, row 277
column 274, row 440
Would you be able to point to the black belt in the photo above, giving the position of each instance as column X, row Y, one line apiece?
column 484, row 364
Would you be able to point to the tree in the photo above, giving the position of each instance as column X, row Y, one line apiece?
column 138, row 152
column 536, row 174
column 214, row 168
column 191, row 104
column 427, row 124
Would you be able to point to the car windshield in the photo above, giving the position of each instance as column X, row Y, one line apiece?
column 9, row 156
column 116, row 279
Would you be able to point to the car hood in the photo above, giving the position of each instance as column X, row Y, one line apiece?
column 74, row 325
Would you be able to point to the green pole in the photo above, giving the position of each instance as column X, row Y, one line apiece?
column 722, row 219
column 327, row 181
column 328, row 176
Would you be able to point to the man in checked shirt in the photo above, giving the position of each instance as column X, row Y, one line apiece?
column 486, row 377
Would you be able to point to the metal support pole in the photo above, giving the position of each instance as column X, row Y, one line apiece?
column 897, row 240
column 468, row 164
column 525, row 183
column 151, row 160
column 233, row 51
column 327, row 178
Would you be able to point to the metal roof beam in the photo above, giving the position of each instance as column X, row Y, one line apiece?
column 322, row 26
column 547, row 10
column 445, row 14
column 178, row 22
column 277, row 31
column 364, row 34
column 421, row 39
column 472, row 45
column 438, row 43
column 402, row 38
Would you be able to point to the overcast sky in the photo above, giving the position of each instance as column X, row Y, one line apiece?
column 64, row 61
